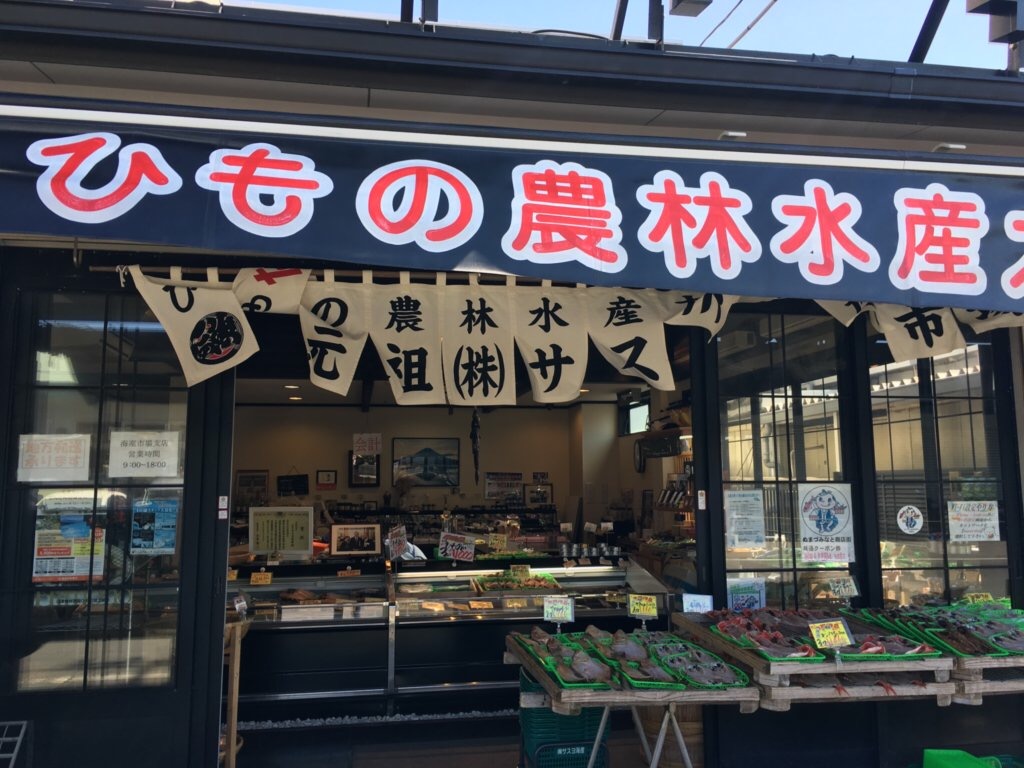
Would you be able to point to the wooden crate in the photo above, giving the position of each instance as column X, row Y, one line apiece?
column 977, row 676
column 784, row 682
column 567, row 701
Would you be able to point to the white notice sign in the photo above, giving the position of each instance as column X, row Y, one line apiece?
column 744, row 512
column 144, row 454
column 973, row 520
column 53, row 458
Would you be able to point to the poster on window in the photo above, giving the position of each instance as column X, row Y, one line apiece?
column 973, row 520
column 154, row 526
column 745, row 594
column 69, row 543
column 143, row 454
column 826, row 522
column 744, row 512
column 53, row 458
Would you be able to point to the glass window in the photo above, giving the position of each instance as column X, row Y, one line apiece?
column 779, row 395
column 101, row 546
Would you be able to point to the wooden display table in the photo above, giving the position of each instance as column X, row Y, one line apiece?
column 784, row 682
column 567, row 701
column 977, row 675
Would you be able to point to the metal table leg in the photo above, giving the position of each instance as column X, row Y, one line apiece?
column 600, row 734
column 669, row 717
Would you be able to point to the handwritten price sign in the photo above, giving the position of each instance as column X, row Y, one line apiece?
column 456, row 547
column 843, row 586
column 559, row 610
column 830, row 634
column 498, row 542
column 643, row 606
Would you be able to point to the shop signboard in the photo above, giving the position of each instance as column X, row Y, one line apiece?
column 917, row 232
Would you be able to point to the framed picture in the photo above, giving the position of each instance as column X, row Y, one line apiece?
column 369, row 506
column 538, row 494
column 355, row 539
column 252, row 487
column 426, row 461
column 363, row 470
column 293, row 485
column 326, row 479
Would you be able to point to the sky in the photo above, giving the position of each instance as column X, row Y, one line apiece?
column 865, row 29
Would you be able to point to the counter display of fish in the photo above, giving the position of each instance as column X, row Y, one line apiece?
column 961, row 630
column 639, row 659
column 778, row 634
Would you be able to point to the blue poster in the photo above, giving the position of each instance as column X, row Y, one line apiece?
column 154, row 527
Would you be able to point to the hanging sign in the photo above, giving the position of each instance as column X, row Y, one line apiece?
column 143, row 454
column 551, row 333
column 559, row 609
column 643, row 606
column 478, row 347
column 454, row 546
column 826, row 523
column 627, row 327
column 973, row 520
column 266, row 289
column 333, row 317
column 917, row 332
column 53, row 458
column 830, row 634
column 703, row 310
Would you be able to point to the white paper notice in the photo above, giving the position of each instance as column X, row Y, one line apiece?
column 53, row 458
column 144, row 454
column 973, row 520
column 744, row 512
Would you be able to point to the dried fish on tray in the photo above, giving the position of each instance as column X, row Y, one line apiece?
column 504, row 584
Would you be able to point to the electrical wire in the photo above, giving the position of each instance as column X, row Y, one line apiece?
column 752, row 24
column 719, row 24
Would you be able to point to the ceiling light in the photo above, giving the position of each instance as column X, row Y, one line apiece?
column 732, row 135
column 291, row 386
column 295, row 397
column 584, row 390
column 947, row 146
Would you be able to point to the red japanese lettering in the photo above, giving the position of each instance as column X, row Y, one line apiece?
column 689, row 223
column 939, row 237
column 247, row 176
column 564, row 212
column 401, row 203
column 819, row 233
column 141, row 170
column 270, row 278
column 1012, row 279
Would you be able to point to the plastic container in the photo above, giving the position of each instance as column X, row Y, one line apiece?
column 654, row 685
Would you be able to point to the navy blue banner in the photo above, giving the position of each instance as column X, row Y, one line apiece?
column 732, row 222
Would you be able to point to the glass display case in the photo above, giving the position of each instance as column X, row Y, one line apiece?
column 324, row 596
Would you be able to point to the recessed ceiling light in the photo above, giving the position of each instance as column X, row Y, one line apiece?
column 295, row 397
column 291, row 386
column 584, row 390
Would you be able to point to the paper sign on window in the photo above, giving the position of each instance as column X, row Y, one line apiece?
column 143, row 454
column 53, row 458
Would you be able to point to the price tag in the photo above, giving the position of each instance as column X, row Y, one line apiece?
column 590, row 527
column 559, row 609
column 453, row 546
column 261, row 578
column 519, row 571
column 643, row 606
column 565, row 527
column 830, row 634
column 497, row 541
column 696, row 603
column 585, row 561
column 232, row 574
column 398, row 542
column 607, row 526
column 348, row 572
column 843, row 586
column 979, row 597
column 241, row 606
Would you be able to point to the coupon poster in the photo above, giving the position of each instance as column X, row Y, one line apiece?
column 154, row 527
column 826, row 522
column 69, row 546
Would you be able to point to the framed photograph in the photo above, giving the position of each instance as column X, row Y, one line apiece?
column 252, row 487
column 293, row 485
column 326, row 479
column 369, row 506
column 355, row 539
column 538, row 494
column 363, row 470
column 426, row 461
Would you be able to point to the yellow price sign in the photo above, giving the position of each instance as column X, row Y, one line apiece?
column 979, row 597
column 830, row 634
column 261, row 578
column 497, row 542
column 643, row 606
